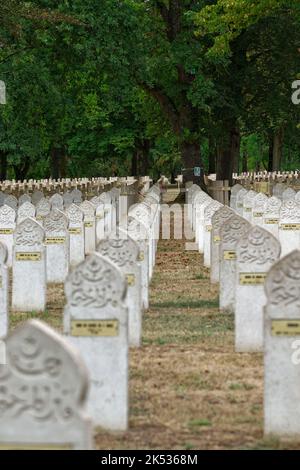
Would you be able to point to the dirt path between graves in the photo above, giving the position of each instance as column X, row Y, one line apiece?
column 188, row 388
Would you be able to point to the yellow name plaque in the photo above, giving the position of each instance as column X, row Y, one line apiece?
column 290, row 226
column 6, row 231
column 208, row 228
column 258, row 214
column 285, row 327
column 229, row 255
column 252, row 279
column 217, row 238
column 100, row 217
column 88, row 224
column 94, row 327
column 55, row 240
column 271, row 221
column 75, row 231
column 130, row 278
column 25, row 446
column 141, row 256
column 31, row 256
column 247, row 209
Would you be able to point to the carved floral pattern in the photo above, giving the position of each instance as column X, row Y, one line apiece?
column 29, row 233
column 95, row 283
column 258, row 246
column 283, row 282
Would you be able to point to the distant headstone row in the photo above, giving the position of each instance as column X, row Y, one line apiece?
column 253, row 251
column 51, row 384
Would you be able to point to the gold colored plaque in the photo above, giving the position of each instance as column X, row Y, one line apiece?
column 208, row 228
column 99, row 217
column 258, row 214
column 285, row 327
column 252, row 279
column 229, row 255
column 217, row 238
column 88, row 224
column 31, row 256
column 247, row 209
column 75, row 231
column 40, row 217
column 19, row 446
column 271, row 221
column 130, row 278
column 6, row 231
column 55, row 240
column 94, row 327
column 289, row 226
column 141, row 256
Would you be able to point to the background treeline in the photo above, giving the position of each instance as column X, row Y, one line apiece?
column 102, row 87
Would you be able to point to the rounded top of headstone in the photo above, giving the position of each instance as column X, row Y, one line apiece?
column 290, row 209
column 136, row 229
column 40, row 358
column 282, row 285
column 7, row 214
column 221, row 214
column 96, row 282
column 201, row 197
column 121, row 249
column 3, row 253
column 37, row 196
column 87, row 208
column 289, row 193
column 211, row 208
column 249, row 198
column 56, row 221
column 273, row 204
column 24, row 198
column 11, row 201
column 74, row 213
column 27, row 208
column 29, row 233
column 258, row 247
column 234, row 228
column 236, row 188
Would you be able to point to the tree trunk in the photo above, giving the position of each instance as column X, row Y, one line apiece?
column 271, row 150
column 55, row 162
column 144, row 161
column 22, row 169
column 212, row 151
column 245, row 162
column 134, row 162
column 228, row 152
column 3, row 163
column 277, row 149
column 63, row 164
column 235, row 149
column 191, row 158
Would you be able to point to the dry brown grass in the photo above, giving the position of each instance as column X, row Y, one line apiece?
column 188, row 388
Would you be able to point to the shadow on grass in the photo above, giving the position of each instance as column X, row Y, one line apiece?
column 187, row 303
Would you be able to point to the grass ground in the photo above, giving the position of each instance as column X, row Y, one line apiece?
column 188, row 388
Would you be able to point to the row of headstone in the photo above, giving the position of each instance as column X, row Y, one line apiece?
column 260, row 288
column 103, row 316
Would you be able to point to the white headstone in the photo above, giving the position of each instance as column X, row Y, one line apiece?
column 96, row 321
column 56, row 202
column 248, row 205
column 43, row 209
column 89, row 226
column 209, row 211
column 256, row 252
column 288, row 194
column 281, row 346
column 123, row 251
column 29, row 267
column 36, row 197
column 231, row 232
column 57, row 244
column 271, row 217
column 289, row 226
column 233, row 195
column 24, row 211
column 259, row 206
column 7, row 227
column 240, row 200
column 218, row 220
column 43, row 390
column 76, row 234
column 4, row 285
